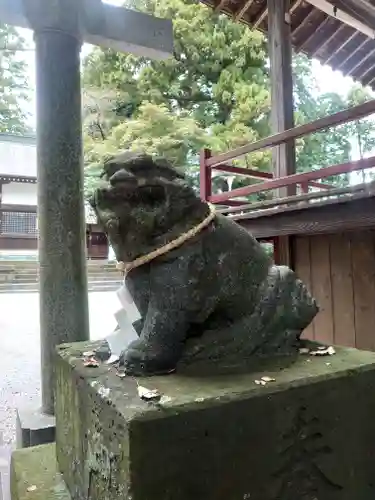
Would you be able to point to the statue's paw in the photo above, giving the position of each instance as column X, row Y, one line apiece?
column 137, row 360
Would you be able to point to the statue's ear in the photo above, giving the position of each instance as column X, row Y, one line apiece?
column 110, row 167
column 91, row 201
column 163, row 169
column 122, row 176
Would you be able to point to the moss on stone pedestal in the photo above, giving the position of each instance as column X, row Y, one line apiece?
column 309, row 434
column 35, row 476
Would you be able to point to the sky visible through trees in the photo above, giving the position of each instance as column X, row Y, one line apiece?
column 214, row 93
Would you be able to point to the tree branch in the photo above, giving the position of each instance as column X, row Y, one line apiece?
column 100, row 130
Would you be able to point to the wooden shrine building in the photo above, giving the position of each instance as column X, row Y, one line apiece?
column 326, row 234
column 18, row 201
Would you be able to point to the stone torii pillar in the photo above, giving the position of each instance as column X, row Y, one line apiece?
column 60, row 27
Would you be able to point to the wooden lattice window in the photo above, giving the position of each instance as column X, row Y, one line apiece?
column 18, row 223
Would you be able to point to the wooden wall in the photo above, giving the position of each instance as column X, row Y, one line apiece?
column 18, row 242
column 339, row 270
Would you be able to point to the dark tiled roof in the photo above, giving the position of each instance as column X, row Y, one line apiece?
column 314, row 33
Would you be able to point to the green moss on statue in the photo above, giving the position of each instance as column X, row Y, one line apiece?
column 217, row 297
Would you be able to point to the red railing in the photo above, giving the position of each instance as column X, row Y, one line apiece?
column 268, row 182
column 209, row 162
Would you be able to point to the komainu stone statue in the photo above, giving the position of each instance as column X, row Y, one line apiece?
column 210, row 291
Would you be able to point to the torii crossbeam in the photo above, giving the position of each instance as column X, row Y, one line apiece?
column 60, row 27
column 95, row 23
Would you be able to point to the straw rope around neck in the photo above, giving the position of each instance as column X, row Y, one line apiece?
column 125, row 267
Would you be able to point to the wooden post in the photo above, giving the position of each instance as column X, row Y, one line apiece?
column 1, row 198
column 205, row 175
column 282, row 109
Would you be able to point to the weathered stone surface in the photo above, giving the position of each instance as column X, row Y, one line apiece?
column 95, row 22
column 216, row 296
column 308, row 435
column 34, row 475
column 61, row 223
column 33, row 427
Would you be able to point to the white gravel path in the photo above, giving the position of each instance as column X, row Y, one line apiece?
column 20, row 349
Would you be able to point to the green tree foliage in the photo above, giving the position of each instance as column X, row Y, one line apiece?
column 362, row 131
column 213, row 93
column 327, row 147
column 155, row 130
column 13, row 82
column 215, row 88
column 336, row 145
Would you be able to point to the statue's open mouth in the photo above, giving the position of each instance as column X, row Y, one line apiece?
column 121, row 176
column 107, row 197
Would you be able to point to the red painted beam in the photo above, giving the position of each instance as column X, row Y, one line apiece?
column 234, row 203
column 320, row 185
column 291, row 180
column 339, row 118
column 258, row 174
column 247, row 172
column 205, row 175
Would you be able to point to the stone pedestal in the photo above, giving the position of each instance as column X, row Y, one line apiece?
column 35, row 475
column 310, row 434
column 33, row 427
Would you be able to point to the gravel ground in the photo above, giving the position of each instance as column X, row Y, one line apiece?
column 20, row 354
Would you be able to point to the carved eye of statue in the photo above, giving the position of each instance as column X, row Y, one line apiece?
column 112, row 225
column 122, row 177
column 150, row 194
column 92, row 201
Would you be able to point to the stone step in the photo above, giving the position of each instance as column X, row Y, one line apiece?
column 28, row 278
column 103, row 285
column 36, row 283
column 32, row 272
column 5, row 454
column 35, row 475
column 34, row 269
column 30, row 264
column 10, row 277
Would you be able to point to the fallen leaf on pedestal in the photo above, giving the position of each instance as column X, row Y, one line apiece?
column 260, row 382
column 165, row 400
column 264, row 380
column 304, row 350
column 89, row 354
column 91, row 363
column 324, row 351
column 104, row 392
column 31, row 488
column 113, row 359
column 148, row 394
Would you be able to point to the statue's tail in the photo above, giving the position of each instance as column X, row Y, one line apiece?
column 284, row 310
